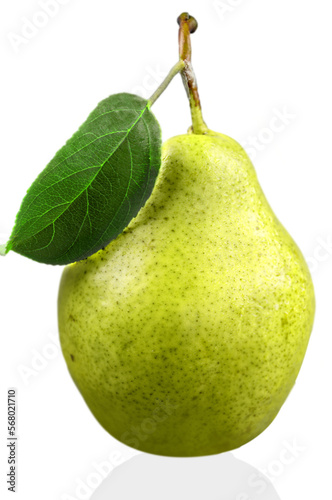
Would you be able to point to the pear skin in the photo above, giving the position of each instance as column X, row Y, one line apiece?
column 186, row 334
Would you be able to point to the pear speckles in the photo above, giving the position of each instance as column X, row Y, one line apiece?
column 201, row 310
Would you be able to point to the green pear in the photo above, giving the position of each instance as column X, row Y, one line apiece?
column 186, row 334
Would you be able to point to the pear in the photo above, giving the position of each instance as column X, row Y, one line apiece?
column 186, row 334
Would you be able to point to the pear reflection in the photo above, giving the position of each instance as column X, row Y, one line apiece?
column 216, row 477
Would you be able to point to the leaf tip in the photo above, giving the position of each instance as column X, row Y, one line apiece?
column 3, row 250
column 5, row 247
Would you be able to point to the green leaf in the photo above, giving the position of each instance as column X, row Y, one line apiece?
column 94, row 185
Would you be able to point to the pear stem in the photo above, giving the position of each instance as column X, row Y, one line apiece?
column 188, row 25
column 174, row 71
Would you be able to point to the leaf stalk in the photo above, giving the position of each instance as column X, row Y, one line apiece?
column 179, row 66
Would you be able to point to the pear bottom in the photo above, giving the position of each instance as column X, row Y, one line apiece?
column 186, row 333
column 181, row 392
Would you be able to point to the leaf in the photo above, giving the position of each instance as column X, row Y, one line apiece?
column 94, row 185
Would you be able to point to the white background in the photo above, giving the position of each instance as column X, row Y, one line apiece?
column 253, row 60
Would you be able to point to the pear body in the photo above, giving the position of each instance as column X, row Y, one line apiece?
column 186, row 333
